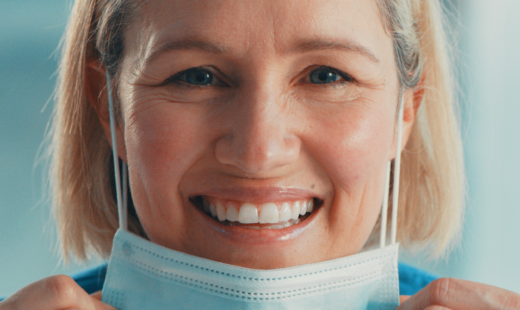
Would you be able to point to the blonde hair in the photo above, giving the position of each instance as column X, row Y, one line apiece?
column 432, row 176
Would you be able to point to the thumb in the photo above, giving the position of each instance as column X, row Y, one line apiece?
column 98, row 305
column 96, row 295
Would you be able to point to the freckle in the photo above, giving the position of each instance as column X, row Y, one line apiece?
column 313, row 185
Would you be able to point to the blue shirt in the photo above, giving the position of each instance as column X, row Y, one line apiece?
column 411, row 279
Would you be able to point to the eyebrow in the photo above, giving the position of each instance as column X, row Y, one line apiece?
column 303, row 46
column 185, row 44
column 317, row 45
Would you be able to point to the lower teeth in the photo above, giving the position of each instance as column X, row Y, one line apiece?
column 264, row 226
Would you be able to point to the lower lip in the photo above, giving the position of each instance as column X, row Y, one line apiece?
column 257, row 237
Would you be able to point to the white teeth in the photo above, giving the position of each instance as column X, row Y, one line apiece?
column 231, row 214
column 212, row 210
column 303, row 208
column 295, row 210
column 221, row 212
column 310, row 206
column 205, row 204
column 275, row 226
column 248, row 214
column 285, row 212
column 269, row 214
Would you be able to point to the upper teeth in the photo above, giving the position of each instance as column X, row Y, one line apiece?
column 249, row 213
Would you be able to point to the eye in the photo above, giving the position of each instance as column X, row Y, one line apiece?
column 324, row 75
column 195, row 76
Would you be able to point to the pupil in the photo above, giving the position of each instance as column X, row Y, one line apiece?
column 201, row 77
column 324, row 76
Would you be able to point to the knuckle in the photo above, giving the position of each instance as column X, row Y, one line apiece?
column 440, row 290
column 62, row 288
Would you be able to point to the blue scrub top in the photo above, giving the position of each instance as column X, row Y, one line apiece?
column 411, row 279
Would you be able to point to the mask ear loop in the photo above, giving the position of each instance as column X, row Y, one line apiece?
column 397, row 170
column 121, row 204
column 125, row 197
column 384, row 212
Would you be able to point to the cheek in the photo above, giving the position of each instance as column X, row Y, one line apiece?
column 159, row 145
column 162, row 143
column 353, row 142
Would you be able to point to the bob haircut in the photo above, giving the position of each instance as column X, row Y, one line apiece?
column 432, row 184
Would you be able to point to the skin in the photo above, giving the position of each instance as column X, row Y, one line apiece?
column 263, row 125
column 266, row 126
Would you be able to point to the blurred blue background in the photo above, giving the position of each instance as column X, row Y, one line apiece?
column 30, row 31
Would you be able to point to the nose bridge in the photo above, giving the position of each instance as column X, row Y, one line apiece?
column 259, row 140
column 262, row 127
column 261, row 106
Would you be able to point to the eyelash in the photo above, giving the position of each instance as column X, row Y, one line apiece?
column 174, row 79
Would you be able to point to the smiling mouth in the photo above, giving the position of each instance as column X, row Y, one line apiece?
column 270, row 215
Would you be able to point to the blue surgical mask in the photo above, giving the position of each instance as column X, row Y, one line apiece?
column 144, row 275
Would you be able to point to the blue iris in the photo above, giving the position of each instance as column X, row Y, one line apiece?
column 198, row 77
column 324, row 75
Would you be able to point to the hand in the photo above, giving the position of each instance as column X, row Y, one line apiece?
column 54, row 293
column 455, row 294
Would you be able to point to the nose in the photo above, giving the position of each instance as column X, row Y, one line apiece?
column 261, row 134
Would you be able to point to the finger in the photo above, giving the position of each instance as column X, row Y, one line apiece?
column 53, row 293
column 403, row 298
column 461, row 295
column 98, row 305
column 436, row 308
column 96, row 295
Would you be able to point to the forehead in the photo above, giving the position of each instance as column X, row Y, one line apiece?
column 251, row 26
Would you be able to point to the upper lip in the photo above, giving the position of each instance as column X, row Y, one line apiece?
column 259, row 194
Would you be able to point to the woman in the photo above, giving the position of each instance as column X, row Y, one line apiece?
column 238, row 115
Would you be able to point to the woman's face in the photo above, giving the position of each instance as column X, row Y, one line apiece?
column 256, row 108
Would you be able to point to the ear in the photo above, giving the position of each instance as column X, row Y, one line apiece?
column 412, row 102
column 96, row 88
